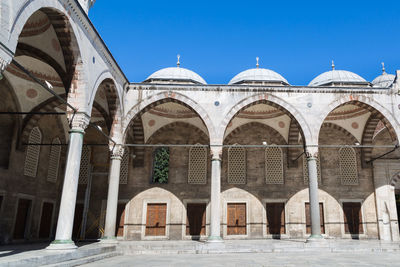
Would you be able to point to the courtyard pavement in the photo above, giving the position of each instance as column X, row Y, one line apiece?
column 256, row 259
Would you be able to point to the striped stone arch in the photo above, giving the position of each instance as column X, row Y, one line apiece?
column 175, row 124
column 112, row 90
column 274, row 101
column 378, row 113
column 274, row 133
column 341, row 129
column 164, row 97
column 63, row 25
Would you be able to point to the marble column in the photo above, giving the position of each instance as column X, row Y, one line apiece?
column 215, row 222
column 112, row 199
column 65, row 221
column 312, row 154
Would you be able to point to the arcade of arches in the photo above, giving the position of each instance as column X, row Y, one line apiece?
column 255, row 159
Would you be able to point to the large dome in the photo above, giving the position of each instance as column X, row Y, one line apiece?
column 338, row 78
column 258, row 75
column 176, row 74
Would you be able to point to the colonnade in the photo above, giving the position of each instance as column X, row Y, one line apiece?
column 63, row 238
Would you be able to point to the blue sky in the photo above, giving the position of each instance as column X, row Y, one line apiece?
column 218, row 39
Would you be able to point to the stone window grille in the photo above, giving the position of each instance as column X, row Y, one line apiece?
column 54, row 161
column 123, row 175
column 84, row 171
column 305, row 170
column 274, row 165
column 236, row 165
column 33, row 153
column 197, row 165
column 348, row 166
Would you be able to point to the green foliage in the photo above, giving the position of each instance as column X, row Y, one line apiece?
column 161, row 165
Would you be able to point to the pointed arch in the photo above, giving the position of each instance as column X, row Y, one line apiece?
column 163, row 97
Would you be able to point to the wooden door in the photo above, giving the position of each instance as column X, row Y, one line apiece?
column 120, row 220
column 275, row 218
column 45, row 220
column 196, row 219
column 21, row 220
column 236, row 219
column 321, row 218
column 156, row 219
column 352, row 218
column 77, row 221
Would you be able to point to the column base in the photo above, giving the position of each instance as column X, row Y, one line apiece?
column 317, row 241
column 214, row 239
column 62, row 245
column 108, row 240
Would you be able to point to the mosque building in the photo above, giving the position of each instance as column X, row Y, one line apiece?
column 87, row 154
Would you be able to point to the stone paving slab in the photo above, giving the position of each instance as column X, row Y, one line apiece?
column 255, row 259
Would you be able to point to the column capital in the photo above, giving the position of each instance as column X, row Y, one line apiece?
column 216, row 153
column 311, row 151
column 5, row 58
column 117, row 152
column 79, row 122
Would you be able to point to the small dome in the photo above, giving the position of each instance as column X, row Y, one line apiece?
column 338, row 77
column 384, row 80
column 176, row 74
column 258, row 75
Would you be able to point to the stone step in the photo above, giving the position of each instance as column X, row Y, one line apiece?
column 48, row 257
column 182, row 247
column 85, row 260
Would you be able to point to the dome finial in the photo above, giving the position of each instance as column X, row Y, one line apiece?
column 333, row 65
column 257, row 65
column 383, row 68
column 178, row 63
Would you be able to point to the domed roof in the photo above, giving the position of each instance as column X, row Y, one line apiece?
column 384, row 80
column 338, row 77
column 258, row 75
column 176, row 74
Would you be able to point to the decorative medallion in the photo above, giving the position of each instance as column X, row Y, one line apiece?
column 354, row 125
column 31, row 93
column 216, row 103
column 151, row 123
column 281, row 124
column 56, row 45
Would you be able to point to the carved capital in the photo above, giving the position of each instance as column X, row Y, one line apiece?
column 79, row 122
column 216, row 153
column 311, row 152
column 117, row 152
column 5, row 59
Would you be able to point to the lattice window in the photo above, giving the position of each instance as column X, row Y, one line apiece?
column 305, row 170
column 33, row 153
column 84, row 171
column 123, row 175
column 54, row 161
column 348, row 166
column 197, row 165
column 274, row 165
column 236, row 165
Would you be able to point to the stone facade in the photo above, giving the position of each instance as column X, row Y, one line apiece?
column 279, row 130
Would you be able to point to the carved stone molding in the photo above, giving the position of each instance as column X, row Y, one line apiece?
column 79, row 122
column 216, row 152
column 312, row 152
column 117, row 152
